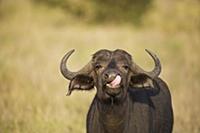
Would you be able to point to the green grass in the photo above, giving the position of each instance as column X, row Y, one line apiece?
column 32, row 90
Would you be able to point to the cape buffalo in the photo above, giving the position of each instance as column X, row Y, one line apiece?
column 128, row 98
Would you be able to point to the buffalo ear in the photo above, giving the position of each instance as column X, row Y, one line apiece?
column 81, row 82
column 141, row 80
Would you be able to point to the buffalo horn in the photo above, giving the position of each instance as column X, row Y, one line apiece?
column 154, row 73
column 67, row 73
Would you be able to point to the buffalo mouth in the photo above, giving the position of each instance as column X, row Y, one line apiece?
column 114, row 87
column 115, row 82
column 113, row 91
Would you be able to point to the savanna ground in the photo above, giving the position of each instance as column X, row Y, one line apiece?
column 33, row 39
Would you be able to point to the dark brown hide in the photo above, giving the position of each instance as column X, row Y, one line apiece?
column 128, row 99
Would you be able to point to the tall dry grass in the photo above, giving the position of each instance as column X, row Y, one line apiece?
column 32, row 90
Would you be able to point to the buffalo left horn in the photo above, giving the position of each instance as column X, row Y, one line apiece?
column 67, row 73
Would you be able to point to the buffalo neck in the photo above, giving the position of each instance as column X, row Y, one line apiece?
column 113, row 116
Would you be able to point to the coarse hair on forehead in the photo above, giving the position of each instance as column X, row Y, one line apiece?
column 123, row 52
column 101, row 55
column 105, row 54
column 102, row 52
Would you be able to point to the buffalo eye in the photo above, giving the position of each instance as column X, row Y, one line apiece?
column 98, row 66
column 126, row 67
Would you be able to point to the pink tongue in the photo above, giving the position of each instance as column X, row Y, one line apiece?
column 116, row 81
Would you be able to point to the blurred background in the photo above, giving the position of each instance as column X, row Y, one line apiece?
column 35, row 34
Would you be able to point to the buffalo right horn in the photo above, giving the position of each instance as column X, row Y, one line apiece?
column 154, row 73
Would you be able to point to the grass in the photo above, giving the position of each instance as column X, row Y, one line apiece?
column 32, row 90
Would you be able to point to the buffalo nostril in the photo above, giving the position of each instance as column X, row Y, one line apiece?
column 109, row 77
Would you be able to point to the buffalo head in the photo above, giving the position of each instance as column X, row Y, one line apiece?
column 111, row 72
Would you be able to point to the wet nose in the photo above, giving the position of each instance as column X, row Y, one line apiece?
column 110, row 76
